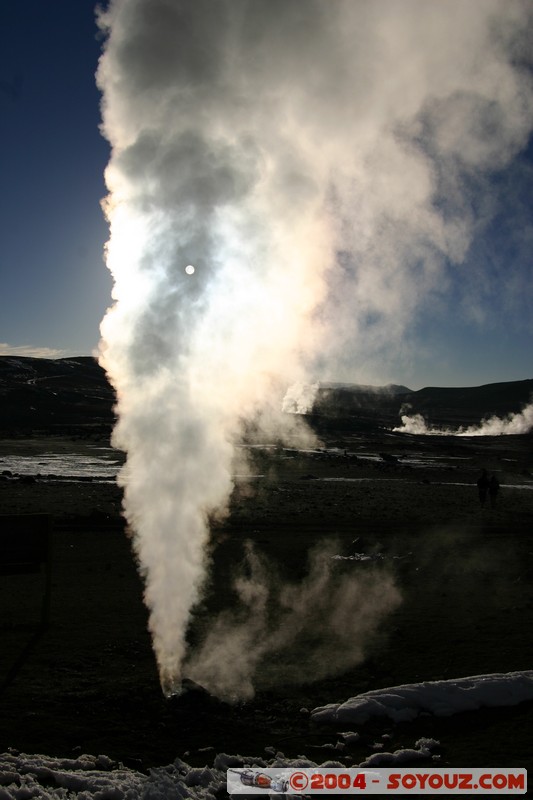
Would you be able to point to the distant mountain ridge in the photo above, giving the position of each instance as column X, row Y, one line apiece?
column 389, row 388
column 56, row 395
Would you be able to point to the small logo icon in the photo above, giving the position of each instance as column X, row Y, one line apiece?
column 250, row 777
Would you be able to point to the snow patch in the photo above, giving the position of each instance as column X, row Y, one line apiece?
column 441, row 698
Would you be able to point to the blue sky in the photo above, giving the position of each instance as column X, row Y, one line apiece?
column 55, row 284
column 55, row 287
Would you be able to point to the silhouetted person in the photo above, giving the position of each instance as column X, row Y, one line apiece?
column 483, row 486
column 494, row 486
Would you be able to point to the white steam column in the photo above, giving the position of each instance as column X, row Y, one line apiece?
column 308, row 158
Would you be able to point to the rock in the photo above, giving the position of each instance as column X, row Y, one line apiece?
column 27, row 479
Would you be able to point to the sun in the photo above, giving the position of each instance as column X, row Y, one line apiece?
column 189, row 269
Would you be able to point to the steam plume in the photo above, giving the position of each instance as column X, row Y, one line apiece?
column 316, row 162
column 287, row 632
column 521, row 422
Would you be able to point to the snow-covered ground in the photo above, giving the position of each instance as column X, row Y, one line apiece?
column 434, row 483
column 105, row 463
column 98, row 778
column 25, row 776
column 441, row 698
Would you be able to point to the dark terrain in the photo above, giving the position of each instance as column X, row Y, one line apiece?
column 54, row 396
column 88, row 683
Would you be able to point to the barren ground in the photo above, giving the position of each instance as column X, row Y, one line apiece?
column 89, row 683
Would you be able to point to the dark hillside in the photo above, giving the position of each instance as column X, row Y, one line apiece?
column 40, row 394
column 347, row 405
column 362, row 407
